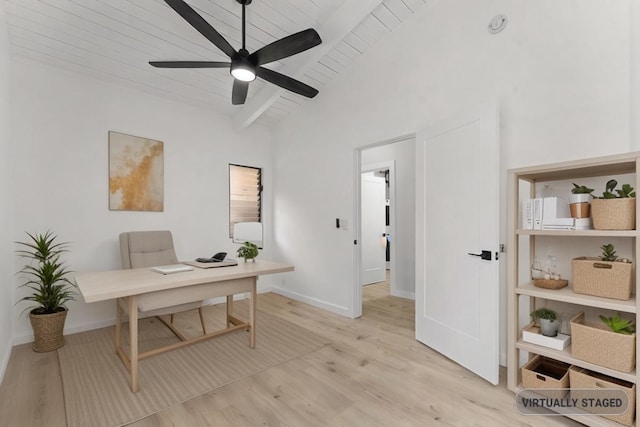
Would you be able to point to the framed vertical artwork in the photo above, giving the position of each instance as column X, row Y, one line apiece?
column 136, row 173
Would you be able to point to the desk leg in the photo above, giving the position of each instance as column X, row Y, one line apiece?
column 252, row 314
column 229, row 310
column 118, row 338
column 133, row 341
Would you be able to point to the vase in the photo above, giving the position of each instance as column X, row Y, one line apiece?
column 579, row 205
column 548, row 327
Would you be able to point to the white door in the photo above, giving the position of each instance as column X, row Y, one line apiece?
column 373, row 192
column 457, row 195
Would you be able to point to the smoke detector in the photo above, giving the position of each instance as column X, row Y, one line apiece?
column 497, row 24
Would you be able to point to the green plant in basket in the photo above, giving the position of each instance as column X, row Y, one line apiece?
column 608, row 252
column 626, row 191
column 619, row 325
column 46, row 274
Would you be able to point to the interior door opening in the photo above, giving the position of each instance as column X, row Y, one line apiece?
column 391, row 162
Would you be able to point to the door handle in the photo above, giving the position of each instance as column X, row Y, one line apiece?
column 485, row 255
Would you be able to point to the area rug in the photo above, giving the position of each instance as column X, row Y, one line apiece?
column 96, row 383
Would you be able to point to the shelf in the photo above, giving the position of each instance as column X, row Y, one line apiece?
column 566, row 294
column 526, row 182
column 603, row 166
column 565, row 356
column 581, row 233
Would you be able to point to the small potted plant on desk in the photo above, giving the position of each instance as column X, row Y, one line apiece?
column 45, row 275
column 248, row 251
column 547, row 319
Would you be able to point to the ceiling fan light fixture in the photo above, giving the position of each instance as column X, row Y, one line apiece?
column 243, row 73
column 244, row 67
column 241, row 67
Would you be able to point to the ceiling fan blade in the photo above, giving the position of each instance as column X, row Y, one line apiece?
column 287, row 46
column 190, row 64
column 286, row 82
column 239, row 94
column 203, row 27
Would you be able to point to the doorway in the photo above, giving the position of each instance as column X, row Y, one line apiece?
column 395, row 160
column 375, row 203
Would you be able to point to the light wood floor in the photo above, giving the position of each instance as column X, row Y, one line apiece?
column 373, row 374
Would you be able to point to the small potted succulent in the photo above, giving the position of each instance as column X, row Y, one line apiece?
column 248, row 251
column 611, row 344
column 579, row 201
column 618, row 325
column 615, row 209
column 548, row 321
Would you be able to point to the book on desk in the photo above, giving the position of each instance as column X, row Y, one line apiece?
column 188, row 266
column 225, row 263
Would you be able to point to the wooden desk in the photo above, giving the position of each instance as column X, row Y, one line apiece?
column 129, row 285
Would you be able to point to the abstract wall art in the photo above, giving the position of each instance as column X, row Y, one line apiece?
column 136, row 173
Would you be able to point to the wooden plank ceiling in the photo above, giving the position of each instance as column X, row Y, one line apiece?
column 115, row 39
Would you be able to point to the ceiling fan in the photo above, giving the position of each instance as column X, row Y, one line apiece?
column 246, row 67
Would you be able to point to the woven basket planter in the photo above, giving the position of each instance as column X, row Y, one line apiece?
column 592, row 276
column 586, row 384
column 48, row 331
column 597, row 344
column 614, row 214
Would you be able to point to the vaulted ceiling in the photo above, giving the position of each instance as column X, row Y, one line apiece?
column 115, row 39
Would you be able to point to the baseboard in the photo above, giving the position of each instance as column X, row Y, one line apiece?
column 404, row 294
column 5, row 363
column 27, row 338
column 342, row 311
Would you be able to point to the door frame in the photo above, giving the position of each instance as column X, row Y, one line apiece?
column 355, row 301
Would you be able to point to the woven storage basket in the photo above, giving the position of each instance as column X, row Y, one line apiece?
column 614, row 214
column 592, row 276
column 595, row 343
column 580, row 378
column 48, row 331
column 546, row 374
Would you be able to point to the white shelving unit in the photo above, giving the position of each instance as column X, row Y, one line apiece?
column 519, row 288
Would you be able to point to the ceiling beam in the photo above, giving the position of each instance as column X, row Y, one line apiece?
column 345, row 19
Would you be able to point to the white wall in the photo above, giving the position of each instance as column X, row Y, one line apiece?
column 560, row 72
column 60, row 173
column 6, row 275
column 403, row 153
